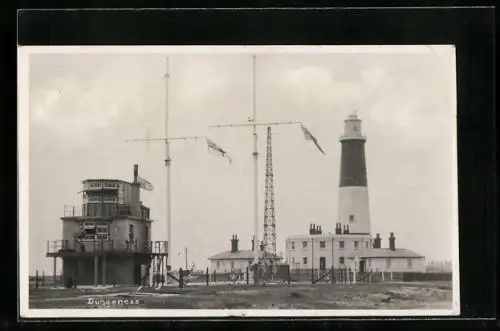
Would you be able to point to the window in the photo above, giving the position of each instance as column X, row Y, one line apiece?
column 367, row 244
column 369, row 263
column 232, row 265
column 93, row 199
column 89, row 225
column 356, row 245
column 409, row 262
column 293, row 261
column 304, row 260
column 110, row 185
column 387, row 263
column 322, row 244
column 341, row 244
column 304, row 244
column 95, row 185
column 293, row 244
column 341, row 260
column 351, row 218
column 102, row 232
column 218, row 265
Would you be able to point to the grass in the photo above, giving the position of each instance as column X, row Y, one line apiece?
column 423, row 295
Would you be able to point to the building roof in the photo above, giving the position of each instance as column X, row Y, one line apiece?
column 387, row 253
column 239, row 255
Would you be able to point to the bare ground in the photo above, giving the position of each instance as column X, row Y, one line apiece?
column 422, row 295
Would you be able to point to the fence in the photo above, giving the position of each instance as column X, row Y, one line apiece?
column 346, row 275
column 40, row 279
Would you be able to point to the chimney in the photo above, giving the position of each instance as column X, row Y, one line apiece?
column 310, row 229
column 318, row 231
column 136, row 172
column 338, row 228
column 347, row 228
column 234, row 244
column 392, row 242
column 253, row 243
column 376, row 241
column 261, row 245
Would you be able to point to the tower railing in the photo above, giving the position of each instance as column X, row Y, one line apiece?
column 111, row 245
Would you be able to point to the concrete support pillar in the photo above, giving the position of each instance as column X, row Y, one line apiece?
column 104, row 270
column 55, row 270
column 96, row 270
column 63, row 282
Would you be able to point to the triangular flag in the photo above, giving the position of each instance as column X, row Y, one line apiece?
column 145, row 184
column 213, row 146
column 309, row 136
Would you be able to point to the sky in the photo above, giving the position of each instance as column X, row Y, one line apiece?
column 83, row 106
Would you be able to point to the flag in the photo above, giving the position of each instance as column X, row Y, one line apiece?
column 213, row 146
column 145, row 184
column 309, row 136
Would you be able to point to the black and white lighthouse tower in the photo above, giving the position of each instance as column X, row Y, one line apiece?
column 353, row 205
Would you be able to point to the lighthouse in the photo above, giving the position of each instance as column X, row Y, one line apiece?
column 353, row 205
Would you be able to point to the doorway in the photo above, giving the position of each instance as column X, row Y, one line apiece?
column 362, row 266
column 322, row 263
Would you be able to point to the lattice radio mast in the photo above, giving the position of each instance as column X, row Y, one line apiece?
column 269, row 215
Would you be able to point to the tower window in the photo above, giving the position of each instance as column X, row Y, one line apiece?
column 322, row 244
column 356, row 245
column 367, row 244
column 351, row 218
column 293, row 244
column 341, row 244
column 341, row 260
column 304, row 244
column 304, row 260
column 409, row 262
column 131, row 232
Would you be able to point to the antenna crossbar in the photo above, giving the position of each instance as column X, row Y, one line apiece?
column 254, row 124
column 166, row 139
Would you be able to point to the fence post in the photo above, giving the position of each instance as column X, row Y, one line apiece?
column 208, row 275
column 215, row 278
column 43, row 278
column 181, row 276
column 36, row 279
column 247, row 276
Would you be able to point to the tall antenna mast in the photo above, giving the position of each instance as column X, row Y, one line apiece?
column 256, row 163
column 168, row 162
column 269, row 214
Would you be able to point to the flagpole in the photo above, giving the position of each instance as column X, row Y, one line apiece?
column 167, row 165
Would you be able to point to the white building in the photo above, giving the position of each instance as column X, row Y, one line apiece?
column 324, row 251
column 351, row 245
column 236, row 260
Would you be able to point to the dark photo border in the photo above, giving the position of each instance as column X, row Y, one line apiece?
column 471, row 30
